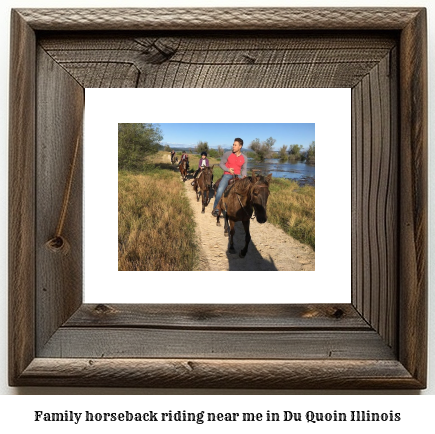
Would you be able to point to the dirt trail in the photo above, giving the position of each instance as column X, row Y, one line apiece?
column 270, row 249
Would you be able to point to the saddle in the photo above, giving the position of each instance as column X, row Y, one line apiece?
column 230, row 182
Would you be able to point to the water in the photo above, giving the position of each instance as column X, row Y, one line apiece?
column 299, row 172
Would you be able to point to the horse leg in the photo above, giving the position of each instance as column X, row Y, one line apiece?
column 231, row 248
column 203, row 202
column 226, row 225
column 247, row 239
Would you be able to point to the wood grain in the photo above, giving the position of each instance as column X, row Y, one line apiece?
column 95, row 342
column 233, row 61
column 227, row 374
column 60, row 106
column 375, row 197
column 413, row 187
column 280, row 317
column 21, row 197
column 219, row 18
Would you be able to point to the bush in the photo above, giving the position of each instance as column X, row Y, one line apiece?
column 201, row 147
column 295, row 152
column 135, row 143
column 263, row 149
column 311, row 154
column 213, row 153
column 283, row 153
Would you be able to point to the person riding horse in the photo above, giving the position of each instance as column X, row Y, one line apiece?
column 203, row 162
column 232, row 163
column 184, row 157
column 247, row 199
column 172, row 156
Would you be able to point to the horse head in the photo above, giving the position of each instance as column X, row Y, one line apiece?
column 259, row 195
column 208, row 176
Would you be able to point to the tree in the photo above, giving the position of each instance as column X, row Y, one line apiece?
column 295, row 152
column 269, row 143
column 201, row 147
column 220, row 150
column 311, row 153
column 167, row 148
column 263, row 149
column 213, row 153
column 255, row 145
column 283, row 153
column 135, row 143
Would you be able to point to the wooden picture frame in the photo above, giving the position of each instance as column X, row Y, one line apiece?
column 376, row 342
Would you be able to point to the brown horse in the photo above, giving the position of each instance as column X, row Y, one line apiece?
column 238, row 203
column 183, row 169
column 202, row 186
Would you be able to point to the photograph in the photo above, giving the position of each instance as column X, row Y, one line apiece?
column 197, row 197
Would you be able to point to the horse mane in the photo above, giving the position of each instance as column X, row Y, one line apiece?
column 243, row 186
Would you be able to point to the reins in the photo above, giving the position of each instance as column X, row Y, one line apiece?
column 246, row 212
column 203, row 176
column 243, row 208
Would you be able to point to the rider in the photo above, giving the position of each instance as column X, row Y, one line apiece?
column 232, row 163
column 172, row 155
column 202, row 163
column 184, row 156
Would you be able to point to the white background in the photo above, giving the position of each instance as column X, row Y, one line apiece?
column 329, row 109
column 17, row 410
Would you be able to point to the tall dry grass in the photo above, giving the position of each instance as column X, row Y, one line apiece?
column 155, row 223
column 292, row 208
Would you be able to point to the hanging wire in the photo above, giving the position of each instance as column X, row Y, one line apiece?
column 59, row 244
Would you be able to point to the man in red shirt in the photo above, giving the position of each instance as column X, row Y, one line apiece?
column 232, row 163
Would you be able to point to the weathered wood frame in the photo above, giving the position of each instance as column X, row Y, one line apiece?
column 377, row 341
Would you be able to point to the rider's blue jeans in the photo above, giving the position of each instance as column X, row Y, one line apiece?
column 222, row 186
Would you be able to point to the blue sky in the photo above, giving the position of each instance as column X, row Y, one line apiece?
column 224, row 134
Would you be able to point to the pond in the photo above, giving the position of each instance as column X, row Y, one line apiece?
column 301, row 172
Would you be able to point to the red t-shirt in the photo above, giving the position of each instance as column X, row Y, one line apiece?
column 235, row 162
